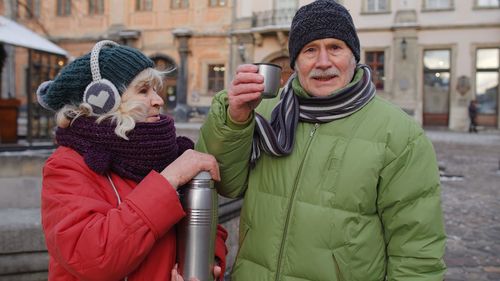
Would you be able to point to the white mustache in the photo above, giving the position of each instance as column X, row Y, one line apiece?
column 318, row 73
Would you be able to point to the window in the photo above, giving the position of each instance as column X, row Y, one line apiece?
column 180, row 4
column 63, row 7
column 32, row 8
column 286, row 4
column 375, row 59
column 487, row 78
column 375, row 6
column 437, row 69
column 96, row 7
column 143, row 5
column 437, row 4
column 218, row 3
column 488, row 3
column 216, row 73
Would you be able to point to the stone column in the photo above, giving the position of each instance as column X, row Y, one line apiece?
column 181, row 111
column 405, row 45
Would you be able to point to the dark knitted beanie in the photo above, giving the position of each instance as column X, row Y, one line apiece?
column 319, row 20
column 118, row 64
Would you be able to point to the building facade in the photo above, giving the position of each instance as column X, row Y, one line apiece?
column 430, row 57
column 188, row 38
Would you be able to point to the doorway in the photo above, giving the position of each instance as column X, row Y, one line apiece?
column 168, row 92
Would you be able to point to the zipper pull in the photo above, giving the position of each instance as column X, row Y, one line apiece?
column 316, row 126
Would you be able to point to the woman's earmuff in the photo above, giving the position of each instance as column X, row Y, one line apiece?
column 101, row 94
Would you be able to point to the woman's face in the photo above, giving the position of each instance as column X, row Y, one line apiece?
column 146, row 94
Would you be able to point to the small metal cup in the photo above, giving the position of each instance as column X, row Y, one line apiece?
column 272, row 79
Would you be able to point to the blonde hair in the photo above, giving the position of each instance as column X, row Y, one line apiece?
column 128, row 113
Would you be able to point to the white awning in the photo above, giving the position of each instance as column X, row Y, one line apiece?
column 15, row 34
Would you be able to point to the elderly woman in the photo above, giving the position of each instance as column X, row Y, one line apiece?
column 109, row 200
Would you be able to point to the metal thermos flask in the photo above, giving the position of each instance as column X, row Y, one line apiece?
column 196, row 231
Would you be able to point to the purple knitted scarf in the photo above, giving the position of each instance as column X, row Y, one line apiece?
column 151, row 146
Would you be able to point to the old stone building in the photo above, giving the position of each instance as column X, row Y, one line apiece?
column 430, row 57
column 188, row 36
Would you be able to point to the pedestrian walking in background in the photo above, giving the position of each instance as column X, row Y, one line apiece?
column 109, row 201
column 472, row 116
column 338, row 184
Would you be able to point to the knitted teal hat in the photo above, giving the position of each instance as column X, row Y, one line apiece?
column 118, row 64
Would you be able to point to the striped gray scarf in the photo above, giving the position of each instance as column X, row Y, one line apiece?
column 277, row 137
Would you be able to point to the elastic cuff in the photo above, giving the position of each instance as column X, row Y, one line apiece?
column 236, row 125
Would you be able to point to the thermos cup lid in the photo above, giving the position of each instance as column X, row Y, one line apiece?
column 203, row 175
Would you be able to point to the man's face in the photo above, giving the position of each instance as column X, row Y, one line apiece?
column 325, row 65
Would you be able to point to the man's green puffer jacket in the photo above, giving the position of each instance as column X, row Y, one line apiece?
column 357, row 199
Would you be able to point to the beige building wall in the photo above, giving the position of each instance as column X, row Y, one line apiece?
column 251, row 31
column 149, row 31
column 462, row 29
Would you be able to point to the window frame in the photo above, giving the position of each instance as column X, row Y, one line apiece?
column 480, row 7
column 377, row 10
column 95, row 7
column 63, row 8
column 439, row 118
column 217, row 3
column 478, row 70
column 143, row 5
column 291, row 4
column 218, row 79
column 32, row 9
column 182, row 4
column 426, row 8
column 383, row 79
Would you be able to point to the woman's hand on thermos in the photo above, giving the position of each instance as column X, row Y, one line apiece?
column 177, row 277
column 188, row 165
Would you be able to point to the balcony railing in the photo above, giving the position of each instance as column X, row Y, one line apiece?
column 280, row 17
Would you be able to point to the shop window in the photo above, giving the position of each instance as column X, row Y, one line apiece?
column 376, row 61
column 437, row 73
column 487, row 79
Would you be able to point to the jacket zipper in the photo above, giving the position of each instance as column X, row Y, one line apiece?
column 294, row 191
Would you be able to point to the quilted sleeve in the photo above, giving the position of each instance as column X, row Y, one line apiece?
column 409, row 205
column 91, row 237
column 231, row 145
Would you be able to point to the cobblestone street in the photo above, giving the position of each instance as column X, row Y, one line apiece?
column 471, row 204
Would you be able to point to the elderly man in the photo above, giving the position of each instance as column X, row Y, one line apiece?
column 338, row 184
